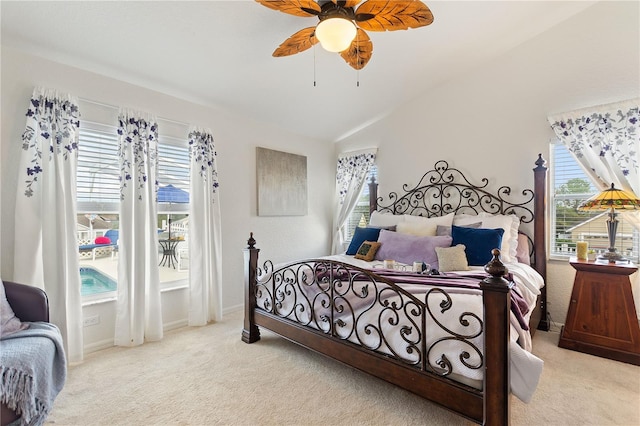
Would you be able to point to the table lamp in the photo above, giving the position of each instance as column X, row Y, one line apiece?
column 611, row 199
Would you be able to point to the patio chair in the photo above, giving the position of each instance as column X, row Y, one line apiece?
column 112, row 235
column 182, row 255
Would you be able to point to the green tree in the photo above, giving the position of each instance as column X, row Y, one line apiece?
column 575, row 186
column 567, row 214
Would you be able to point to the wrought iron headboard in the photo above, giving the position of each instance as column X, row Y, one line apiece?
column 445, row 190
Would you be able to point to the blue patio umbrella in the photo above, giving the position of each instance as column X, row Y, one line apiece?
column 172, row 194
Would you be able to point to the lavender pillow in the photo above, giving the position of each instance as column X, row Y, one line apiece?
column 522, row 251
column 407, row 249
column 9, row 322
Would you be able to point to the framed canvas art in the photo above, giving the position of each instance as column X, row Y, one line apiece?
column 282, row 183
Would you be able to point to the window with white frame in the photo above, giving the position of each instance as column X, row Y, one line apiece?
column 98, row 193
column 571, row 186
column 360, row 215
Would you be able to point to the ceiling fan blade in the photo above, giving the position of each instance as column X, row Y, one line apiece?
column 298, row 42
column 360, row 51
column 303, row 8
column 346, row 3
column 392, row 15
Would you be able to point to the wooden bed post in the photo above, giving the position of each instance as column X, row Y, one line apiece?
column 250, row 332
column 539, row 232
column 497, row 311
column 373, row 195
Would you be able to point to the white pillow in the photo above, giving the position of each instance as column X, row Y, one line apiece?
column 465, row 219
column 384, row 219
column 510, row 223
column 423, row 226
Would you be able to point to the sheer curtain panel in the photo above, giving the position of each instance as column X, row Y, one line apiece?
column 205, row 242
column 605, row 140
column 46, row 250
column 352, row 170
column 138, row 312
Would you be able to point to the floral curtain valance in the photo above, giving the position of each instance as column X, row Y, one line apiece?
column 203, row 156
column 138, row 151
column 353, row 167
column 351, row 173
column 605, row 140
column 52, row 126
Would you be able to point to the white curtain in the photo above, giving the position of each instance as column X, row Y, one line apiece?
column 205, row 242
column 138, row 312
column 352, row 170
column 606, row 141
column 46, row 248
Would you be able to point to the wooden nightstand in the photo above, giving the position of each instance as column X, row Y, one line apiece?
column 602, row 316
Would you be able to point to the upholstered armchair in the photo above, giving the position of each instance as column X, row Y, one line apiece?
column 29, row 304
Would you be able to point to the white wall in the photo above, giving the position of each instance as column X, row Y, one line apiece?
column 492, row 123
column 279, row 238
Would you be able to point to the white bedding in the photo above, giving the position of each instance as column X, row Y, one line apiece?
column 525, row 367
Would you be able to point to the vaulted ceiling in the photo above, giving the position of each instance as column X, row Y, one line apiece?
column 218, row 53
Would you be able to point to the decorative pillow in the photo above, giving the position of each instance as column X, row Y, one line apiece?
column 423, row 226
column 523, row 249
column 407, row 249
column 9, row 323
column 360, row 236
column 452, row 258
column 384, row 219
column 446, row 230
column 478, row 243
column 103, row 240
column 367, row 250
column 510, row 223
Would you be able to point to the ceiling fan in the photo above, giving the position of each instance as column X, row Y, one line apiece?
column 342, row 26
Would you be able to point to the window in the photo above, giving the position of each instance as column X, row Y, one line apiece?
column 173, row 169
column 360, row 215
column 98, row 200
column 98, row 175
column 173, row 217
column 570, row 187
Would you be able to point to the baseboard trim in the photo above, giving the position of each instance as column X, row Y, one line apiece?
column 98, row 346
column 108, row 343
column 232, row 309
column 175, row 324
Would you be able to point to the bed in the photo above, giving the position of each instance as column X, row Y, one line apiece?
column 455, row 338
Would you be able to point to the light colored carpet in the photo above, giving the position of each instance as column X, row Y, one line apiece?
column 208, row 376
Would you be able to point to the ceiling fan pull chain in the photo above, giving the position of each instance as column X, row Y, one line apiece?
column 314, row 66
column 358, row 60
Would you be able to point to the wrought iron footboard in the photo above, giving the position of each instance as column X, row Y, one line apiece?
column 419, row 328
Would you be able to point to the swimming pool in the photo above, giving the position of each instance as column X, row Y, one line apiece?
column 94, row 282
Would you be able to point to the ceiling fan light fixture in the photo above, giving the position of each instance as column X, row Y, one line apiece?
column 335, row 34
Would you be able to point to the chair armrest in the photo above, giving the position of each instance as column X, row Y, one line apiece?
column 28, row 303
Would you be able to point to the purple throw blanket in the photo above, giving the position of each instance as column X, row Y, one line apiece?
column 452, row 281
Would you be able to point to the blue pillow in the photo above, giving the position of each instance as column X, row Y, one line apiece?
column 360, row 236
column 478, row 242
